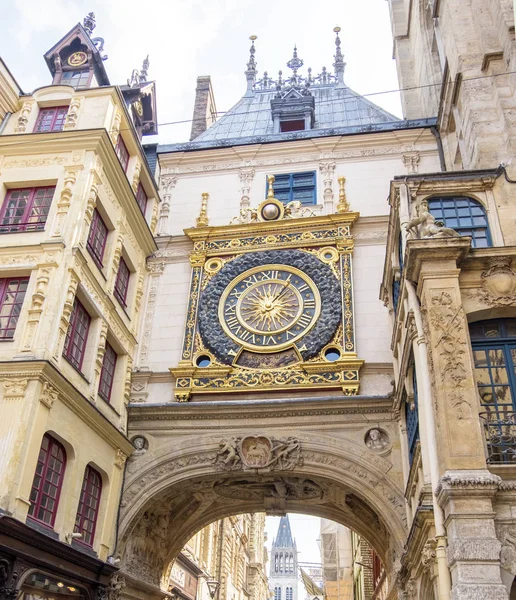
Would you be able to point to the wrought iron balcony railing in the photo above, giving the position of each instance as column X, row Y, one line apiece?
column 500, row 432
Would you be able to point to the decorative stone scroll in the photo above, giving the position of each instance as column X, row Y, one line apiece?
column 258, row 452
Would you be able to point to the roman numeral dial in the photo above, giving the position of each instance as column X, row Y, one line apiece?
column 269, row 308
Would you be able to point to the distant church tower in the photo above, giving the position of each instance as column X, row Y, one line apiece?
column 283, row 572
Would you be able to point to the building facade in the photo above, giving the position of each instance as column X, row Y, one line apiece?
column 283, row 570
column 237, row 323
column 74, row 241
column 224, row 561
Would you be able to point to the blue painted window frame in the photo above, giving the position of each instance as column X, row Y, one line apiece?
column 412, row 418
column 505, row 343
column 295, row 186
column 464, row 214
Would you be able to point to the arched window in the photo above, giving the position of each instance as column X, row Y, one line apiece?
column 88, row 509
column 276, row 563
column 466, row 215
column 277, row 593
column 288, row 593
column 281, row 563
column 494, row 355
column 48, row 479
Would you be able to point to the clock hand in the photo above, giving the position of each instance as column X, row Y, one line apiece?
column 284, row 289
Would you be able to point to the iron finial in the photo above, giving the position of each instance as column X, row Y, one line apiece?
column 339, row 63
column 250, row 74
column 89, row 23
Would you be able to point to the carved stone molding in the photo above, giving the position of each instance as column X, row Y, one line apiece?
column 65, row 199
column 48, row 394
column 508, row 552
column 113, row 590
column 120, row 459
column 469, row 482
column 327, row 169
column 429, row 556
column 72, row 114
column 14, row 389
column 23, row 119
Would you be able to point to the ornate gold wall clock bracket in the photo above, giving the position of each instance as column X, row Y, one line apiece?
column 270, row 307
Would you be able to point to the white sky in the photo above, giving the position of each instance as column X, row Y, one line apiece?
column 305, row 530
column 187, row 38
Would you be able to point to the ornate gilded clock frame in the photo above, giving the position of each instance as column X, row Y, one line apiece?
column 327, row 237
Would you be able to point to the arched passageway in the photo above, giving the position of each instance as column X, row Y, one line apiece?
column 183, row 485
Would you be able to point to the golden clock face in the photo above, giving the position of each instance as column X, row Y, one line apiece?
column 138, row 107
column 269, row 308
column 77, row 59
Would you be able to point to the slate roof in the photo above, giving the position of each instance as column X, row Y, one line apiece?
column 284, row 537
column 334, row 107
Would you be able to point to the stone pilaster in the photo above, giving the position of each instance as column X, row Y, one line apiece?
column 432, row 263
column 473, row 548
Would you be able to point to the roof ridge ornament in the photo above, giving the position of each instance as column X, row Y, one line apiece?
column 144, row 72
column 89, row 23
column 339, row 63
column 250, row 74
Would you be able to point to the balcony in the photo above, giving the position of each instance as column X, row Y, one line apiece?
column 500, row 432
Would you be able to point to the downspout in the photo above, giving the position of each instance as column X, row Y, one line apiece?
column 440, row 149
column 4, row 121
column 221, row 546
column 424, row 376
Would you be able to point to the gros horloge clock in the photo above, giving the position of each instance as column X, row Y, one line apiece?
column 270, row 305
column 270, row 302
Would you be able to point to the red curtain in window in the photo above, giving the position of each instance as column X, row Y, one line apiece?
column 51, row 119
column 26, row 209
column 48, row 479
column 77, row 335
column 88, row 509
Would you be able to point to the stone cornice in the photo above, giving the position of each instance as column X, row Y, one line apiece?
column 433, row 250
column 96, row 140
column 69, row 396
column 260, row 409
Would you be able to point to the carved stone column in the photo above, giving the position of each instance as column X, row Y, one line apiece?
column 23, row 119
column 246, row 178
column 91, row 203
column 473, row 548
column 327, row 169
column 115, row 126
column 155, row 272
column 99, row 359
column 36, row 308
column 136, row 175
column 65, row 316
column 65, row 199
column 167, row 184
column 72, row 114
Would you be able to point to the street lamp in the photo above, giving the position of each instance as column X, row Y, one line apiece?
column 213, row 587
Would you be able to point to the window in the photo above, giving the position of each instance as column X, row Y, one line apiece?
column 295, row 186
column 288, row 593
column 466, row 215
column 88, row 509
column 97, row 238
column 122, row 282
column 122, row 153
column 107, row 374
column 12, row 294
column 26, row 209
column 78, row 79
column 277, row 593
column 77, row 335
column 48, row 479
column 51, row 119
column 141, row 198
column 412, row 418
column 297, row 125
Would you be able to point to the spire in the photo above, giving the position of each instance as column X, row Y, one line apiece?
column 250, row 74
column 339, row 63
column 284, row 537
column 89, row 23
column 295, row 63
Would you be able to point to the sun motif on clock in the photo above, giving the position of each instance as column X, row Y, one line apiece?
column 269, row 307
column 77, row 59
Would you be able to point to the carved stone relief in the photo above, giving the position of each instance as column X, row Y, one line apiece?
column 377, row 440
column 498, row 283
column 246, row 176
column 258, row 452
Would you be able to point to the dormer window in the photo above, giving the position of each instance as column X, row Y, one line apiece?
column 78, row 79
column 297, row 125
column 51, row 119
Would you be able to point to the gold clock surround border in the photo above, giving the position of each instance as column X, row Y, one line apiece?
column 214, row 243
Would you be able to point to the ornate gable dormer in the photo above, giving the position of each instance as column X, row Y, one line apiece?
column 293, row 109
column 140, row 98
column 77, row 58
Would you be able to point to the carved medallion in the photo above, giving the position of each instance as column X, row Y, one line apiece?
column 258, row 452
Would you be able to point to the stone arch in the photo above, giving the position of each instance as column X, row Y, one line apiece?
column 172, row 493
